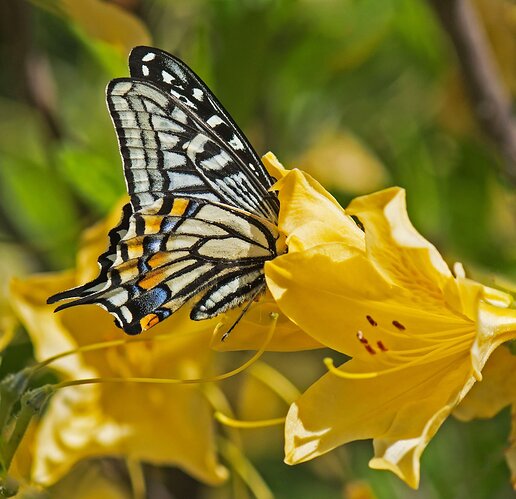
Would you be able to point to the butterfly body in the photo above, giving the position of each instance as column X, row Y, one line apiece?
column 202, row 220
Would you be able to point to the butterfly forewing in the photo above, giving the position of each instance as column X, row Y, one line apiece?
column 201, row 222
column 176, row 78
column 168, row 149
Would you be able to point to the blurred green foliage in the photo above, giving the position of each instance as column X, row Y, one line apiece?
column 288, row 71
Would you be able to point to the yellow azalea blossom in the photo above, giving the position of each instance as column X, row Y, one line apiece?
column 418, row 335
column 85, row 481
column 496, row 391
column 160, row 424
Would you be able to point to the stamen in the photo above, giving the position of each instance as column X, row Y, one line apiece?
column 137, row 478
column 371, row 321
column 435, row 354
column 244, row 469
column 273, row 379
column 365, row 342
column 101, row 345
column 361, row 338
column 382, row 347
column 398, row 325
column 236, row 423
column 403, row 354
column 178, row 381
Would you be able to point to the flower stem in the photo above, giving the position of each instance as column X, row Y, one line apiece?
column 11, row 389
column 245, row 470
column 31, row 403
column 274, row 380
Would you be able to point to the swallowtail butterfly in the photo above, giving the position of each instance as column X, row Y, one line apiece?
column 201, row 221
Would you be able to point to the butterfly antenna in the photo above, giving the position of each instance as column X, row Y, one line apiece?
column 244, row 311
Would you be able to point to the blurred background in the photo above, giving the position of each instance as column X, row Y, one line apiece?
column 362, row 94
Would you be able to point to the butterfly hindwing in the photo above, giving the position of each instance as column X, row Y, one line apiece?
column 173, row 250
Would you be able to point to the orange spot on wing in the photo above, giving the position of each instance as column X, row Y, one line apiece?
column 148, row 321
column 134, row 250
column 179, row 207
column 127, row 270
column 151, row 280
column 158, row 259
column 153, row 224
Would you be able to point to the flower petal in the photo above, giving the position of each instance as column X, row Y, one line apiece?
column 496, row 390
column 336, row 294
column 119, row 419
column 310, row 216
column 48, row 333
column 405, row 257
column 495, row 326
column 160, row 424
column 401, row 411
column 273, row 166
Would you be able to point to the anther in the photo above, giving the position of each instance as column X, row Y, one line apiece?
column 398, row 325
column 361, row 338
column 381, row 346
column 371, row 321
column 370, row 349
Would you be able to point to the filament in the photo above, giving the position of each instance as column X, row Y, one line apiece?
column 237, row 423
column 245, row 470
column 274, row 380
column 178, row 381
column 425, row 359
column 101, row 345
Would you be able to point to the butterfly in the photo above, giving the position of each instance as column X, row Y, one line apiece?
column 201, row 221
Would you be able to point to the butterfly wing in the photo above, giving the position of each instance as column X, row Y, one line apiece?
column 165, row 254
column 201, row 222
column 166, row 148
column 175, row 78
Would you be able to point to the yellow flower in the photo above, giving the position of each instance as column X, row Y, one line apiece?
column 496, row 391
column 85, row 481
column 418, row 336
column 160, row 424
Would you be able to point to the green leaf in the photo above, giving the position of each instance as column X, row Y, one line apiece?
column 94, row 177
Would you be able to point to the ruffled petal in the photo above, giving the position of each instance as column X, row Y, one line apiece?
column 401, row 411
column 401, row 254
column 163, row 425
column 496, row 390
column 310, row 216
column 48, row 332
